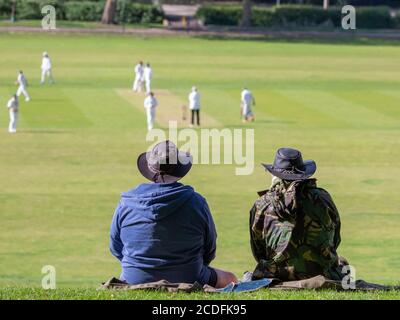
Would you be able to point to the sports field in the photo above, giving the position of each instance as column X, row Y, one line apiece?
column 78, row 140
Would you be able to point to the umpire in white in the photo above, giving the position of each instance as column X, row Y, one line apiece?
column 194, row 105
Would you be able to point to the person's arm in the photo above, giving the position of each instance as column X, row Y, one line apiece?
column 210, row 240
column 328, row 204
column 257, row 242
column 116, row 245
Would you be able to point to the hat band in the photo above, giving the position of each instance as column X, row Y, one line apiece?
column 293, row 170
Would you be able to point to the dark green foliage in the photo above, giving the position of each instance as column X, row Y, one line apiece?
column 374, row 17
column 296, row 16
column 30, row 9
column 128, row 11
column 220, row 15
column 83, row 10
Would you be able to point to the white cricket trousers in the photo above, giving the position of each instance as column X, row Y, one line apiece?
column 46, row 72
column 151, row 114
column 137, row 84
column 22, row 89
column 12, row 127
column 247, row 112
column 148, row 86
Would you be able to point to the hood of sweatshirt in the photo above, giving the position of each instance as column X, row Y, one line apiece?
column 156, row 201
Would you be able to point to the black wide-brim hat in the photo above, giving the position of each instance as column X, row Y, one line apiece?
column 164, row 163
column 289, row 165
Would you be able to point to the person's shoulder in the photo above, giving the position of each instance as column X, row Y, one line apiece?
column 318, row 193
column 263, row 200
column 199, row 201
column 198, row 197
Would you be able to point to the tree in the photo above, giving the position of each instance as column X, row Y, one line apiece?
column 109, row 12
column 326, row 4
column 246, row 17
column 13, row 9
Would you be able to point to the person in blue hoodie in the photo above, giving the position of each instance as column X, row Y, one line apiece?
column 164, row 229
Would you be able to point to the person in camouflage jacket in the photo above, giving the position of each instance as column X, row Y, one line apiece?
column 294, row 225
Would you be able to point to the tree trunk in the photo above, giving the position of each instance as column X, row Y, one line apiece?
column 13, row 10
column 109, row 12
column 326, row 4
column 278, row 3
column 246, row 17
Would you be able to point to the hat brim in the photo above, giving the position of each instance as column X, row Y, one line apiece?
column 180, row 170
column 309, row 169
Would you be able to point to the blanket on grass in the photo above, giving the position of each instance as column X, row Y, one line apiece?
column 316, row 283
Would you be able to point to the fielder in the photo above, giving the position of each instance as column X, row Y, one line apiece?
column 194, row 106
column 22, row 84
column 46, row 69
column 13, row 106
column 148, row 75
column 139, row 72
column 247, row 101
column 150, row 104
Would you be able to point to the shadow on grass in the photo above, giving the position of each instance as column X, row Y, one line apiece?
column 40, row 131
column 362, row 38
column 254, row 125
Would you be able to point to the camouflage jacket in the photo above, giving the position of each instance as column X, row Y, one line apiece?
column 295, row 232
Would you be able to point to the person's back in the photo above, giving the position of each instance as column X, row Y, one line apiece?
column 46, row 63
column 148, row 72
column 150, row 101
column 164, row 230
column 247, row 97
column 168, row 233
column 13, row 104
column 139, row 69
column 194, row 100
column 294, row 225
column 21, row 80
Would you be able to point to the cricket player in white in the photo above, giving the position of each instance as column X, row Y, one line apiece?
column 139, row 73
column 148, row 75
column 13, row 106
column 150, row 104
column 46, row 68
column 247, row 101
column 194, row 105
column 22, row 84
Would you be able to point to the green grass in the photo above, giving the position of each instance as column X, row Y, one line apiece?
column 61, row 175
column 92, row 294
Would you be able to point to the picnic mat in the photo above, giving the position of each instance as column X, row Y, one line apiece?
column 316, row 283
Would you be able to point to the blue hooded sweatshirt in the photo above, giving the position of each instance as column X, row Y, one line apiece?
column 163, row 231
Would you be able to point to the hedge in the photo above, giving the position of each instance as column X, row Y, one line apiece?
column 296, row 16
column 88, row 10
column 374, row 17
column 83, row 10
column 129, row 12
column 31, row 9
